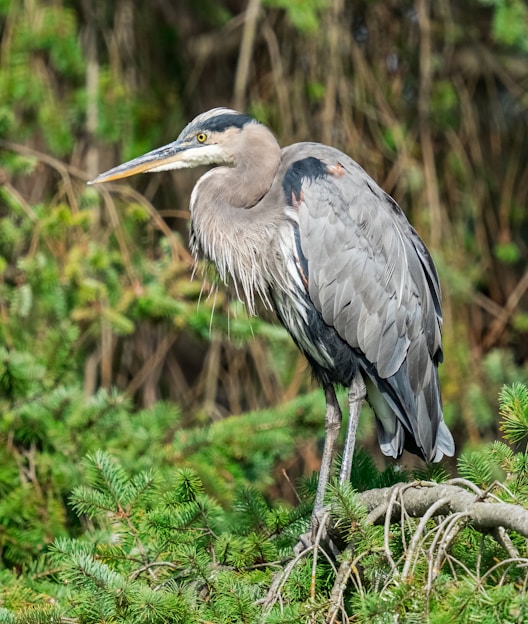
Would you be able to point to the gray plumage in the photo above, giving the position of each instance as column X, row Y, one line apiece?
column 307, row 231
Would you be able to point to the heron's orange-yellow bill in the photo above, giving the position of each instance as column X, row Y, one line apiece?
column 142, row 164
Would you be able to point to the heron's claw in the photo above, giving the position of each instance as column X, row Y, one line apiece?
column 318, row 535
column 305, row 543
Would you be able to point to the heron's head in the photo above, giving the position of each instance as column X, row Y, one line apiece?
column 212, row 138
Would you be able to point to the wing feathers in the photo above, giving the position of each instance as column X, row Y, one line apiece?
column 372, row 279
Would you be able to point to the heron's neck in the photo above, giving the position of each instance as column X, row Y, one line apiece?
column 257, row 157
column 230, row 216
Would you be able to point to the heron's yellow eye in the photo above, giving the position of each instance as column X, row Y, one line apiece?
column 201, row 137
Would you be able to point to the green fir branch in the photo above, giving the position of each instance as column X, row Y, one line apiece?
column 513, row 408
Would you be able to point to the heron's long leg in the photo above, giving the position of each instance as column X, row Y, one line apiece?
column 356, row 396
column 332, row 424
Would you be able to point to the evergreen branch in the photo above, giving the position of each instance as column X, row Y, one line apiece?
column 348, row 568
column 86, row 500
column 85, row 571
column 152, row 564
column 513, row 401
column 109, row 477
column 274, row 594
column 141, row 485
column 520, row 562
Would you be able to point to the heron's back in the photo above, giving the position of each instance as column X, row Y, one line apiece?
column 361, row 291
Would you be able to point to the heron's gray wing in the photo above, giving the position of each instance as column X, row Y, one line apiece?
column 372, row 279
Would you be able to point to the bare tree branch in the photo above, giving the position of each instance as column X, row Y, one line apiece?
column 419, row 498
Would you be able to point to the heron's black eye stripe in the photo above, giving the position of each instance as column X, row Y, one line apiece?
column 219, row 123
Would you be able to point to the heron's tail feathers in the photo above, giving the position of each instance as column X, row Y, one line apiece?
column 445, row 445
column 404, row 421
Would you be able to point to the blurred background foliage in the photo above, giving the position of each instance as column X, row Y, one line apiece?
column 106, row 342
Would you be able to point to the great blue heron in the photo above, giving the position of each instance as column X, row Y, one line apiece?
column 306, row 230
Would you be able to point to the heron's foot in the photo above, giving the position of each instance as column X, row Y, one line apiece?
column 312, row 543
column 304, row 544
column 318, row 536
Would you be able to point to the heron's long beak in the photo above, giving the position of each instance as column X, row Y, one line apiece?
column 171, row 156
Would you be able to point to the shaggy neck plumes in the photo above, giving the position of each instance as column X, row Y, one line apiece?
column 227, row 226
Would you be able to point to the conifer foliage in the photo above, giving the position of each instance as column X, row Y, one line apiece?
column 139, row 457
column 154, row 545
